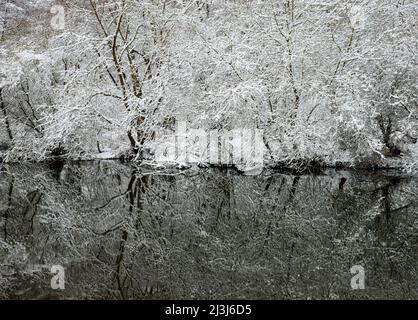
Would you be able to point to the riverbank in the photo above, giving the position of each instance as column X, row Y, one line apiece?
column 293, row 166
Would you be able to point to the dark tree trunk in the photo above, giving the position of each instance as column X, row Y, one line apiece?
column 134, row 145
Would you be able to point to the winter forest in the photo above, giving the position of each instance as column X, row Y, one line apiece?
column 208, row 149
column 326, row 82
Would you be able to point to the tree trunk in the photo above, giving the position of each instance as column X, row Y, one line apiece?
column 134, row 145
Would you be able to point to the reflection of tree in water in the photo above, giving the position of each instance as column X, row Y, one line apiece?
column 123, row 232
column 377, row 228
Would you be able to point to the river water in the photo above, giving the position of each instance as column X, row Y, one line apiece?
column 121, row 232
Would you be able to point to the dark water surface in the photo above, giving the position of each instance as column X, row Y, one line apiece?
column 121, row 232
